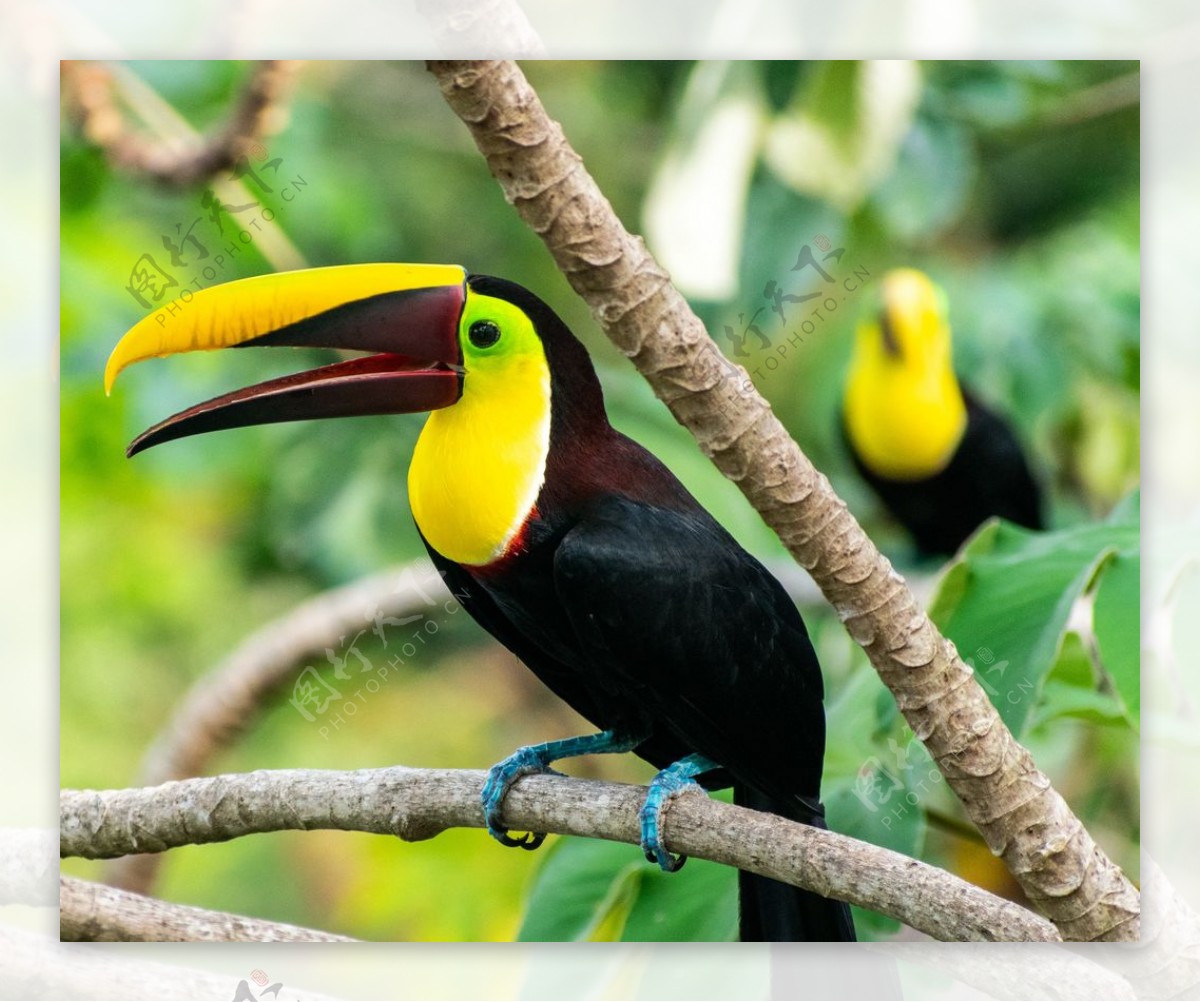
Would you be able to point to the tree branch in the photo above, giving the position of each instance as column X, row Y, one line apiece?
column 419, row 803
column 227, row 702
column 1022, row 817
column 91, row 912
column 88, row 89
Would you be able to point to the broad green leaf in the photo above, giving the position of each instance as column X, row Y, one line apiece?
column 854, row 719
column 1006, row 599
column 697, row 904
column 931, row 182
column 589, row 889
column 1072, row 690
column 580, row 884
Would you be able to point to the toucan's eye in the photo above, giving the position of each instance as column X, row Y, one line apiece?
column 484, row 333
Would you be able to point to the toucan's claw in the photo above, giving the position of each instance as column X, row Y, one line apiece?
column 665, row 787
column 537, row 759
column 653, row 811
column 500, row 778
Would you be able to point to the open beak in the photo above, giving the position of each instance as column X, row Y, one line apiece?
column 407, row 313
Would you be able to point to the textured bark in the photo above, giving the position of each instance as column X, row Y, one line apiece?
column 1024, row 820
column 97, row 913
column 88, row 92
column 228, row 701
column 419, row 803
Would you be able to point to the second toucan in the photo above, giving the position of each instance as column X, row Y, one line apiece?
column 941, row 462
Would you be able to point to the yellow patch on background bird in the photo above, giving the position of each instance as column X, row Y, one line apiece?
column 904, row 410
column 478, row 466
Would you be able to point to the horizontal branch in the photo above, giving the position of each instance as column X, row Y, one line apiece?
column 91, row 912
column 417, row 804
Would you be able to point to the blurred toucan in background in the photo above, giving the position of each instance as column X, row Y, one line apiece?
column 940, row 461
column 572, row 545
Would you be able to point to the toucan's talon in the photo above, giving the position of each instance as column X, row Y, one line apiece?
column 536, row 759
column 529, row 840
column 500, row 779
column 666, row 862
column 533, row 840
column 665, row 787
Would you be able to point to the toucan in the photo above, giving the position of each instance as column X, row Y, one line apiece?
column 941, row 462
column 573, row 546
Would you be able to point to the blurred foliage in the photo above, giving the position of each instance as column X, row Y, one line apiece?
column 1014, row 184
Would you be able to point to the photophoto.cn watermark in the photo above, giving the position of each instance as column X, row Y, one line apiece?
column 823, row 280
column 332, row 695
column 876, row 783
column 197, row 254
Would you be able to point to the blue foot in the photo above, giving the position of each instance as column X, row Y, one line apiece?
column 500, row 779
column 537, row 759
column 667, row 785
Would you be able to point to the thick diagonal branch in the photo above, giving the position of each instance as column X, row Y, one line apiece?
column 1022, row 817
column 418, row 804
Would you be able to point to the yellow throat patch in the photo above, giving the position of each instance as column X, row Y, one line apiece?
column 478, row 465
column 903, row 407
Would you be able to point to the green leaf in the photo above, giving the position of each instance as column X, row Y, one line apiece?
column 931, row 182
column 1116, row 623
column 1071, row 690
column 580, row 884
column 1006, row 599
column 697, row 904
column 589, row 889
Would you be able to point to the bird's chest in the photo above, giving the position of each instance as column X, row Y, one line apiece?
column 477, row 469
column 905, row 427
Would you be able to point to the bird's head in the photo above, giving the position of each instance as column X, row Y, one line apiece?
column 910, row 329
column 903, row 407
column 438, row 336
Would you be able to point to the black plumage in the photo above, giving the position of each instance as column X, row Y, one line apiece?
column 986, row 476
column 628, row 600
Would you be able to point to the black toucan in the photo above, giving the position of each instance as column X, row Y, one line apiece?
column 573, row 546
column 940, row 461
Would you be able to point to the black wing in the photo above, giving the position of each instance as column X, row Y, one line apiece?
column 563, row 678
column 674, row 616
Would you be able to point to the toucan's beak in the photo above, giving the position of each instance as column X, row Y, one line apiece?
column 887, row 334
column 407, row 313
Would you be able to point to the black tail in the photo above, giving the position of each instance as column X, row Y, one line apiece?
column 779, row 913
